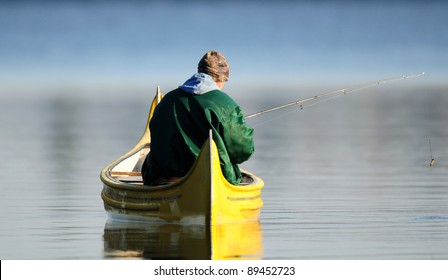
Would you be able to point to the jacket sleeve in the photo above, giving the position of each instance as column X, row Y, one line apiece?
column 238, row 137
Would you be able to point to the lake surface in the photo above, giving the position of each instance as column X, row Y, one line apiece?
column 345, row 179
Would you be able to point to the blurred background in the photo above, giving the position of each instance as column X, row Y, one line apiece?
column 134, row 45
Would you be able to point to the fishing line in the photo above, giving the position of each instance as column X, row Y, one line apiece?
column 335, row 93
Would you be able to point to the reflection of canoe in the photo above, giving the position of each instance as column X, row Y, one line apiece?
column 203, row 196
column 173, row 241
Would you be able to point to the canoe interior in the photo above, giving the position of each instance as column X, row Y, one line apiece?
column 129, row 170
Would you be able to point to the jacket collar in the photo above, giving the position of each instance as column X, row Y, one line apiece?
column 199, row 83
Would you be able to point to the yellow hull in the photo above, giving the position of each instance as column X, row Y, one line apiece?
column 203, row 196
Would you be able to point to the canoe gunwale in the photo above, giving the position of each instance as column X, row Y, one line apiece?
column 110, row 181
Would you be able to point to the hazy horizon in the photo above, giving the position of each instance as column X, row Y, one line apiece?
column 74, row 45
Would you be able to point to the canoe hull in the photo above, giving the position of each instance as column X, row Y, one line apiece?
column 202, row 197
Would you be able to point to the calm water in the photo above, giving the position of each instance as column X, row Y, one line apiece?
column 345, row 179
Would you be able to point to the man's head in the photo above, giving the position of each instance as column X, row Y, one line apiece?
column 215, row 64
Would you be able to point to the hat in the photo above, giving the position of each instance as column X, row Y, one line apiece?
column 214, row 64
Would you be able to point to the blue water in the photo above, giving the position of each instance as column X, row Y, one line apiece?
column 136, row 43
column 345, row 179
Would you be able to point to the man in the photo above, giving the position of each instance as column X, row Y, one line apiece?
column 182, row 120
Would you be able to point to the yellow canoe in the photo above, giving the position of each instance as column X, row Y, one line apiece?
column 203, row 196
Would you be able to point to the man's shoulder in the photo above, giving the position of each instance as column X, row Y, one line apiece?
column 172, row 96
column 214, row 98
column 174, row 92
column 221, row 96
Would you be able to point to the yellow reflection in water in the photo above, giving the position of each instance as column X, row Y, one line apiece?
column 193, row 242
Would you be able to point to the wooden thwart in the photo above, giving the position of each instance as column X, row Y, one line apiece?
column 125, row 173
column 128, row 177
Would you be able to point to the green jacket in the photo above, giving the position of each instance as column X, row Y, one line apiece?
column 180, row 125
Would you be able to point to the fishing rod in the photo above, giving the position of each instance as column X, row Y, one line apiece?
column 337, row 92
